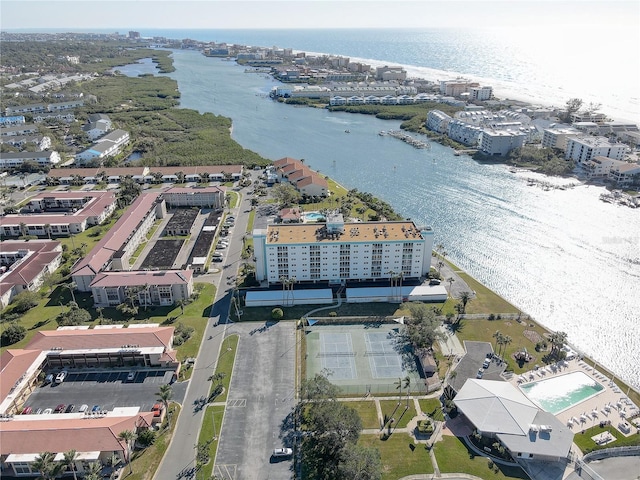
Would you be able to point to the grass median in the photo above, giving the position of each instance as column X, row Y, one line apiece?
column 145, row 462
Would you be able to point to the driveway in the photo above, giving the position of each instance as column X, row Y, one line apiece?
column 261, row 396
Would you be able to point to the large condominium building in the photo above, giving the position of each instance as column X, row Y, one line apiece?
column 501, row 142
column 556, row 137
column 581, row 149
column 480, row 93
column 336, row 252
column 107, row 146
column 626, row 174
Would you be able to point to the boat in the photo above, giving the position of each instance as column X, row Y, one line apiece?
column 347, row 131
column 382, row 133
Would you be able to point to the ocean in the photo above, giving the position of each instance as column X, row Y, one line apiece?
column 566, row 258
column 522, row 64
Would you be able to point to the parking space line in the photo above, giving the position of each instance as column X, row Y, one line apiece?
column 226, row 472
column 239, row 402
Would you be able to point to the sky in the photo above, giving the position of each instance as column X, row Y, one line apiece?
column 84, row 15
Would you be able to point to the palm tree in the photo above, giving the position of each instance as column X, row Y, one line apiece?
column 165, row 394
column 498, row 337
column 113, row 462
column 69, row 462
column 83, row 248
column 464, row 298
column 23, row 229
column 181, row 304
column 47, row 228
column 398, row 385
column 407, row 385
column 47, row 466
column 71, row 286
column 450, row 280
column 128, row 437
column 506, row 340
column 93, row 471
column 558, row 339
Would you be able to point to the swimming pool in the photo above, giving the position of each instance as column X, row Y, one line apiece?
column 313, row 216
column 564, row 391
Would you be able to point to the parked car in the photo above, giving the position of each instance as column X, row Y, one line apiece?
column 480, row 373
column 486, row 364
column 220, row 246
column 39, row 411
column 157, row 409
column 48, row 379
column 27, row 411
column 96, row 408
column 61, row 376
column 47, row 411
column 131, row 376
column 434, row 281
column 282, row 453
column 70, row 408
column 83, row 408
column 216, row 259
column 60, row 408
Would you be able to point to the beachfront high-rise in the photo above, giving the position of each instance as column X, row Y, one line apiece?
column 336, row 252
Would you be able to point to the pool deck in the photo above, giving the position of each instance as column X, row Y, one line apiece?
column 609, row 404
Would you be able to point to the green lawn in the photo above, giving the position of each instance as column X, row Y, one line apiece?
column 432, row 407
column 399, row 455
column 145, row 462
column 367, row 411
column 252, row 218
column 195, row 315
column 453, row 456
column 401, row 416
column 586, row 444
column 483, row 330
column 225, row 364
column 210, row 430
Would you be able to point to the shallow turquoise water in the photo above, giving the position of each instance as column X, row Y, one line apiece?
column 564, row 391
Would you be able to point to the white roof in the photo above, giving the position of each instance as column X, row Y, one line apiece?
column 306, row 294
column 496, row 407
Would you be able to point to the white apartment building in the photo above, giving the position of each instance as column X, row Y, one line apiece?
column 599, row 167
column 625, row 174
column 107, row 146
column 501, row 142
column 480, row 93
column 15, row 159
column 556, row 137
column 464, row 133
column 337, row 252
column 438, row 121
column 581, row 149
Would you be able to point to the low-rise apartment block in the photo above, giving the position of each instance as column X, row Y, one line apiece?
column 59, row 213
column 107, row 146
column 25, row 264
column 501, row 142
column 15, row 159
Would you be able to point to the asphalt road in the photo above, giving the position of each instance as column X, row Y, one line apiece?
column 261, row 396
column 180, row 455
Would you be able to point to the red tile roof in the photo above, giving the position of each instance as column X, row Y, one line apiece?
column 101, row 338
column 115, row 238
column 13, row 364
column 24, row 436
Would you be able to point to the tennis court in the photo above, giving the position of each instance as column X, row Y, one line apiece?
column 361, row 358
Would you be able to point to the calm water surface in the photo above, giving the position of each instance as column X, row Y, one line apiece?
column 563, row 256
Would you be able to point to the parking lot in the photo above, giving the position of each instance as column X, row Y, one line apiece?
column 107, row 388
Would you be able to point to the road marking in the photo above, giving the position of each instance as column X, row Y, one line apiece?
column 240, row 403
column 226, row 472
